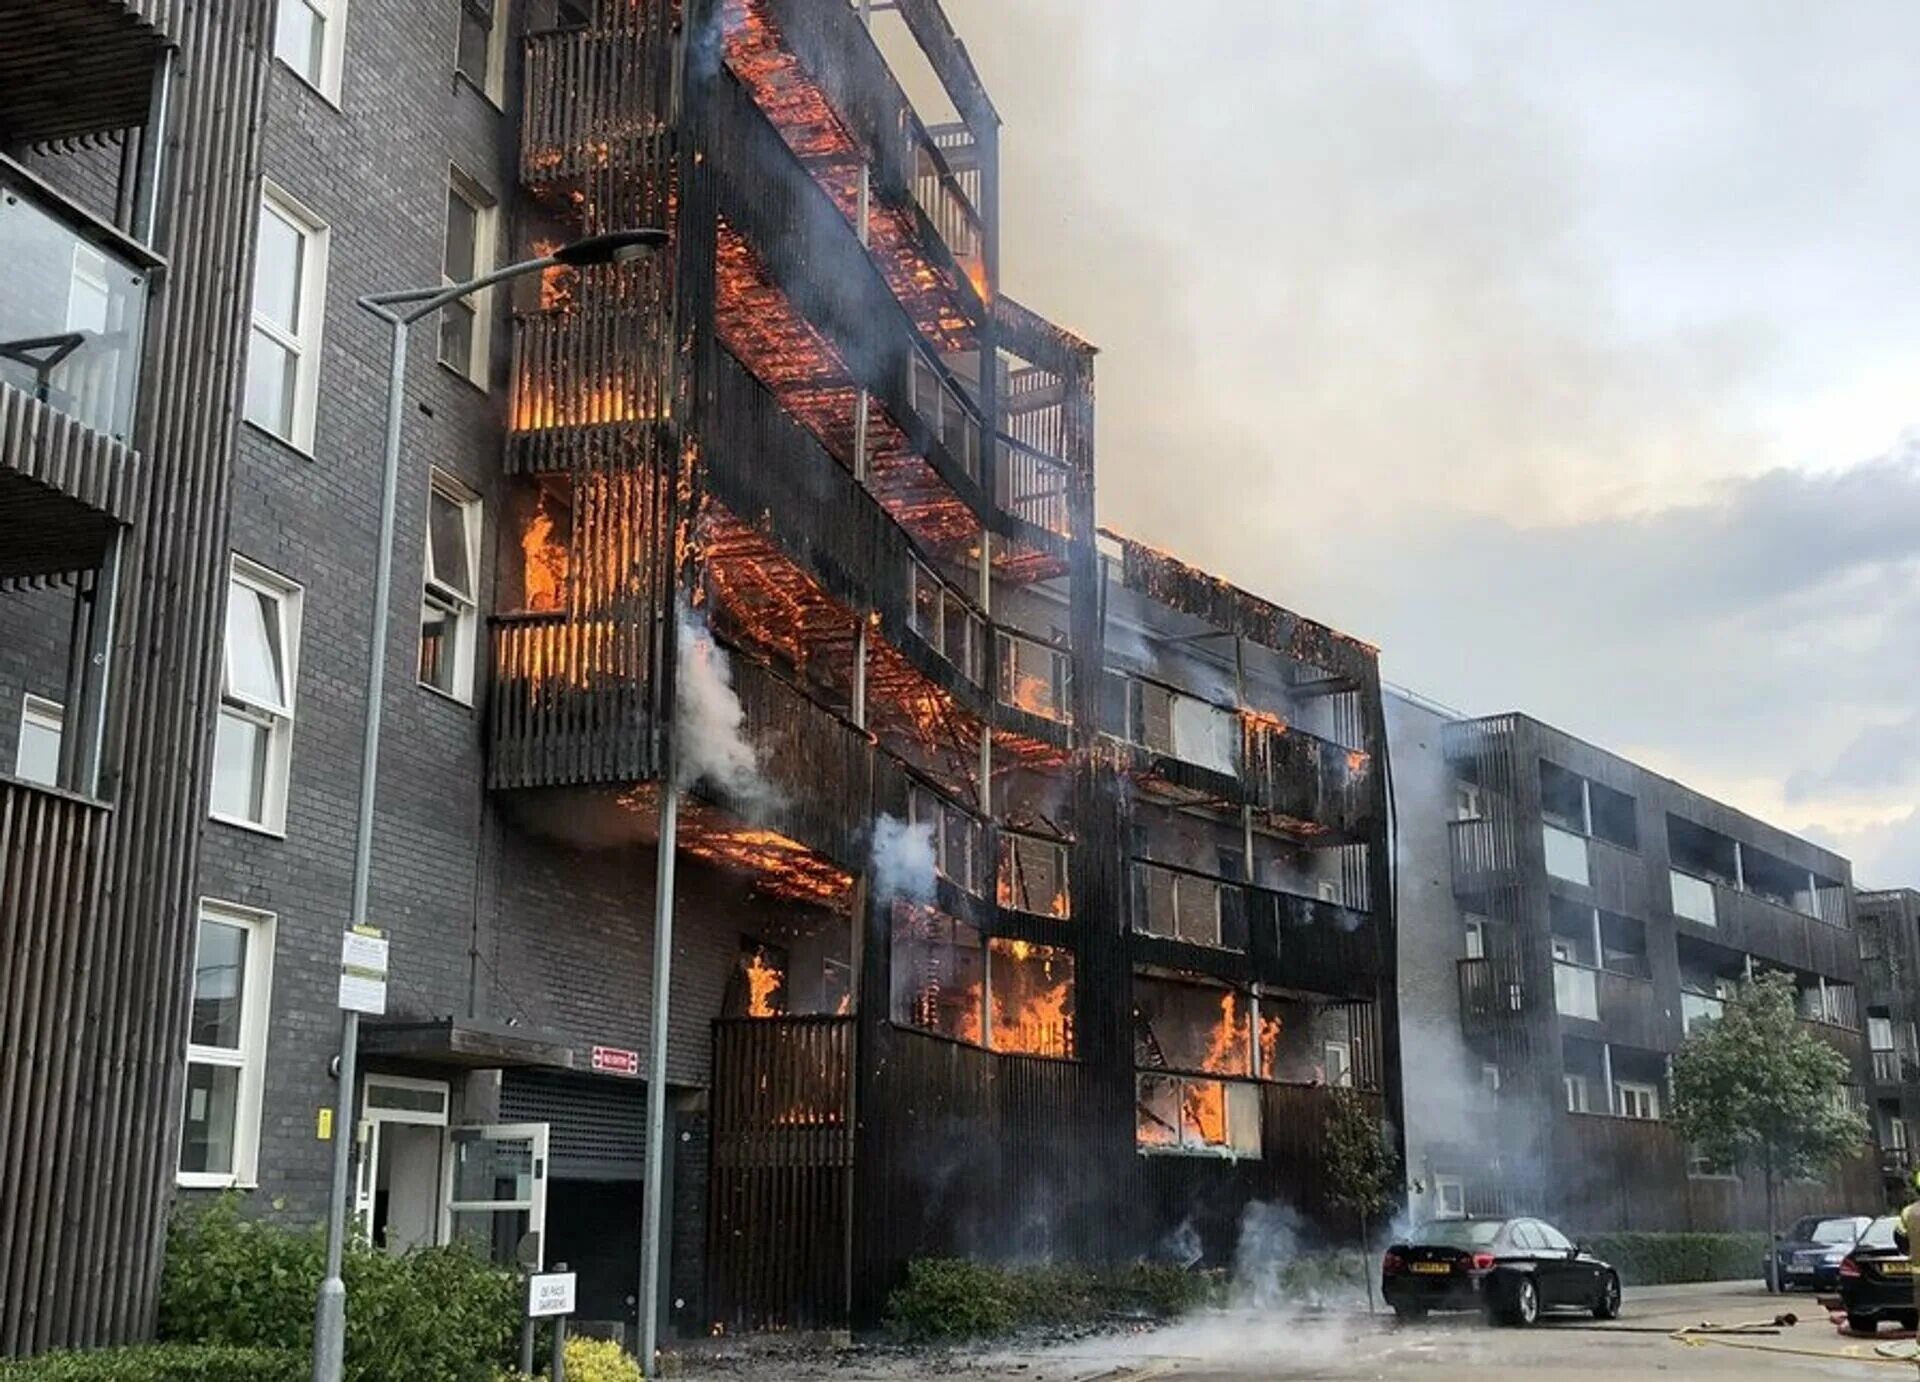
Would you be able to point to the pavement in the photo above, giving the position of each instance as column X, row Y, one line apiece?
column 1284, row 1345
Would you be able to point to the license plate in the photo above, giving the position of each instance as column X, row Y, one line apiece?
column 1896, row 1268
column 1433, row 1268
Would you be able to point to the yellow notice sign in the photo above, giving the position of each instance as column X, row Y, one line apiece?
column 323, row 1125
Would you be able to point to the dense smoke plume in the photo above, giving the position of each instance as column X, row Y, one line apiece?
column 903, row 864
column 709, row 722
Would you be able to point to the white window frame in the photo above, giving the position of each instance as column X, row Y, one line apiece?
column 463, row 609
column 1442, row 1185
column 250, row 1058
column 1645, row 1099
column 1476, row 929
column 333, row 44
column 1337, row 1054
column 493, row 82
column 316, row 237
column 288, row 597
column 1577, row 1092
column 476, row 369
column 40, row 713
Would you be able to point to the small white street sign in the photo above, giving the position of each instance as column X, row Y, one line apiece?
column 363, row 972
column 550, row 1293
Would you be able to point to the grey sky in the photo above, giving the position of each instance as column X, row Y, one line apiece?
column 1561, row 349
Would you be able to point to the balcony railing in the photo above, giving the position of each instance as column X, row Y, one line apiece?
column 1481, row 847
column 1034, row 487
column 1576, row 991
column 73, row 308
column 1693, row 898
column 947, row 205
column 1492, row 993
column 1566, row 853
column 1886, row 1067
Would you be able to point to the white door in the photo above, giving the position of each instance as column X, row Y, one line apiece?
column 398, row 1190
column 497, row 1190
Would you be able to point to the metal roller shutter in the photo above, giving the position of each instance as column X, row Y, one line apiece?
column 598, row 1125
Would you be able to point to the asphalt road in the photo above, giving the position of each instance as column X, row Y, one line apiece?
column 1265, row 1347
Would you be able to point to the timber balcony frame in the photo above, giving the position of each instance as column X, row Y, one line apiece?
column 75, row 67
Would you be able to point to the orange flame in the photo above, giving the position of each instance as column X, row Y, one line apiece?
column 763, row 982
column 1205, row 1101
column 545, row 563
column 1270, row 1029
column 1032, row 999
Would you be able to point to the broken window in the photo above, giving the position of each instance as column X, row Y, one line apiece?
column 948, row 624
column 1185, row 727
column 937, row 973
column 1188, row 907
column 959, row 840
column 1174, row 1113
column 1031, row 995
column 1034, row 677
column 1033, row 875
column 1191, row 1026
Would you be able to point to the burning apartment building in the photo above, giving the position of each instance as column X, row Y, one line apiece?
column 1567, row 916
column 1889, row 925
column 1032, row 888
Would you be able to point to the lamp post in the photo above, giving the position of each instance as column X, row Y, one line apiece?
column 400, row 310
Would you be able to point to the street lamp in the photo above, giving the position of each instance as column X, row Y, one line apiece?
column 400, row 310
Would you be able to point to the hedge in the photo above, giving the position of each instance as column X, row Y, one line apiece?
column 163, row 1363
column 947, row 1298
column 1654, row 1259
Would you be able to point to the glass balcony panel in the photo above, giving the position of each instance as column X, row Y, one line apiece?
column 72, row 317
column 1692, row 898
column 1566, row 854
column 1575, row 992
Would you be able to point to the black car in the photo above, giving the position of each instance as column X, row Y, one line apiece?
column 1808, row 1254
column 1876, row 1279
column 1512, row 1269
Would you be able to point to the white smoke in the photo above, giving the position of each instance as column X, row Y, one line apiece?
column 708, row 724
column 903, row 863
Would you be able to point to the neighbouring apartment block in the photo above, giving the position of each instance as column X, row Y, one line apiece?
column 1033, row 891
column 1889, row 926
column 1566, row 916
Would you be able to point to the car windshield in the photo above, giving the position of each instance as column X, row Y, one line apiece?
column 1457, row 1233
column 1879, row 1233
column 1837, row 1231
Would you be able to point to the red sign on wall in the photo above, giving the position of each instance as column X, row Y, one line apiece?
column 611, row 1060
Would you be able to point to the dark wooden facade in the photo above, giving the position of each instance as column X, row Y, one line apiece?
column 1593, row 1169
column 813, row 417
column 1889, row 925
column 96, row 894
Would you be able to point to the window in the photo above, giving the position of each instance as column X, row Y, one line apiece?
column 309, row 37
column 1551, row 1238
column 1033, row 875
column 1337, row 1064
column 1468, row 804
column 1566, row 853
column 482, row 54
column 1030, row 998
column 1490, row 1080
column 938, row 972
column 1188, row 907
column 1576, row 1086
column 1476, row 938
column 226, row 1046
column 942, row 617
column 254, row 734
column 1184, row 727
column 1034, row 677
column 1638, row 1100
column 472, row 229
column 37, row 756
column 959, row 841
column 1200, row 1117
column 449, row 609
column 1449, row 1197
column 283, row 355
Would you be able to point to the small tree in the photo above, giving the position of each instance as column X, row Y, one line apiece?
column 1362, row 1171
column 1753, row 1088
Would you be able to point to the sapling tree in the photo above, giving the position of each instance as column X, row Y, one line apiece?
column 1753, row 1088
column 1362, row 1170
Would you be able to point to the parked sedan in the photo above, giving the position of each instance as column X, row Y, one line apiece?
column 1808, row 1254
column 1876, row 1279
column 1511, row 1269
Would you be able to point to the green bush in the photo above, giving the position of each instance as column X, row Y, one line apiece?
column 163, row 1363
column 945, row 1298
column 434, row 1315
column 599, row 1360
column 1654, row 1259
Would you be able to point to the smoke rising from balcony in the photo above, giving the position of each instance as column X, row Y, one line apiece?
column 709, row 722
column 903, row 865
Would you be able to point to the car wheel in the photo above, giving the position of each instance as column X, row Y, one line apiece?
column 1523, row 1302
column 1863, row 1324
column 1411, row 1314
column 1607, row 1307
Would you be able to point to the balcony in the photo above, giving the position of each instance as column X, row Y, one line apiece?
column 949, row 210
column 1693, row 898
column 77, row 67
column 1034, row 487
column 1696, row 1008
column 1566, row 855
column 1493, row 994
column 1483, row 852
column 1301, row 779
column 73, row 309
column 1576, row 991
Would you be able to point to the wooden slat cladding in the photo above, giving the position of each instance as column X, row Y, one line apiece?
column 63, row 487
column 82, row 1229
column 78, row 67
column 596, row 98
column 820, row 767
column 780, row 1172
column 49, row 868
